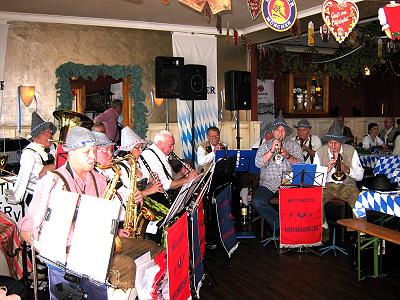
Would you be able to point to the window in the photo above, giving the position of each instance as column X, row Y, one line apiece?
column 308, row 94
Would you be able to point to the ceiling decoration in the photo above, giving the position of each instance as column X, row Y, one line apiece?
column 216, row 6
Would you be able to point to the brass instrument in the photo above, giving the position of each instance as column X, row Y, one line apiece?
column 185, row 165
column 110, row 193
column 277, row 156
column 155, row 178
column 135, row 220
column 301, row 143
column 339, row 175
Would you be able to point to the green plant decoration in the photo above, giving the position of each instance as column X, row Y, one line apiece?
column 134, row 74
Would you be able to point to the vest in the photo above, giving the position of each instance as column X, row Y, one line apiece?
column 347, row 156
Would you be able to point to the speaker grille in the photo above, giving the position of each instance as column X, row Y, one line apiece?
column 194, row 82
column 237, row 90
column 169, row 76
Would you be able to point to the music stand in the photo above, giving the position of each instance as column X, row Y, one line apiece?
column 303, row 176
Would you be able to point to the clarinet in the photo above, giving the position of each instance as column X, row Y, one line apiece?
column 155, row 178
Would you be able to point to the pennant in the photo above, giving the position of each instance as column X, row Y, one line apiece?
column 254, row 7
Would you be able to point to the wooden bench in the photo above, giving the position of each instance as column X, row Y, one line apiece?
column 377, row 234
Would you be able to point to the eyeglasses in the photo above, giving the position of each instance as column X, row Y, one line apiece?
column 139, row 147
column 105, row 150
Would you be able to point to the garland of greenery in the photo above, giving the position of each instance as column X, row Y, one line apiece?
column 134, row 73
column 346, row 64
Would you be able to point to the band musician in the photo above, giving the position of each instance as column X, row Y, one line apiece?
column 77, row 176
column 274, row 157
column 37, row 158
column 344, row 167
column 206, row 151
column 309, row 143
column 156, row 156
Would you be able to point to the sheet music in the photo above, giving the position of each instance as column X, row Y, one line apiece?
column 54, row 234
column 146, row 270
column 92, row 241
column 321, row 180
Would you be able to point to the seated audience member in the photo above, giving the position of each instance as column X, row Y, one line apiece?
column 308, row 143
column 274, row 157
column 398, row 123
column 346, row 131
column 37, row 158
column 77, row 175
column 206, row 151
column 396, row 150
column 99, row 127
column 372, row 141
column 156, row 155
column 110, row 119
column 387, row 133
column 267, row 135
column 350, row 166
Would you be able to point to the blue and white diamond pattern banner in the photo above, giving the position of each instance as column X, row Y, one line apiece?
column 199, row 50
column 388, row 203
column 388, row 165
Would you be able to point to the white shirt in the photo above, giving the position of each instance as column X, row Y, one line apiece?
column 356, row 170
column 31, row 164
column 396, row 150
column 157, row 166
column 367, row 142
column 315, row 144
column 204, row 158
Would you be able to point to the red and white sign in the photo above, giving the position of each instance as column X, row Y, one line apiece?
column 300, row 213
column 341, row 16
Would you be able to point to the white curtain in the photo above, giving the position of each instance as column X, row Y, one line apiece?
column 3, row 48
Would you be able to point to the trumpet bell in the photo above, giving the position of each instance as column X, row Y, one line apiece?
column 339, row 176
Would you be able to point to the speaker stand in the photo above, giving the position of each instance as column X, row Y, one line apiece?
column 193, row 140
column 166, row 114
column 237, row 130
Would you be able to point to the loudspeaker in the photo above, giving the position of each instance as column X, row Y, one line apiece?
column 237, row 90
column 169, row 76
column 194, row 82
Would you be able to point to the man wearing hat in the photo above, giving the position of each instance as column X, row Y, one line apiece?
column 36, row 159
column 77, row 176
column 327, row 156
column 308, row 143
column 274, row 157
column 267, row 135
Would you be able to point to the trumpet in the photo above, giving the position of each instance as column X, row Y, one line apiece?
column 277, row 156
column 339, row 175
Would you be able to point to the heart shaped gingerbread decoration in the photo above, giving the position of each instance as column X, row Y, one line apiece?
column 341, row 16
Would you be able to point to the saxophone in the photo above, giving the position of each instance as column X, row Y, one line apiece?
column 135, row 220
column 110, row 193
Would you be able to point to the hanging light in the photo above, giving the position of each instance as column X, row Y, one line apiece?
column 367, row 71
column 158, row 101
column 27, row 93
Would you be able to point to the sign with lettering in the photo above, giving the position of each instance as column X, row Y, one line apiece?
column 1, row 85
column 280, row 15
column 254, row 8
column 341, row 16
column 300, row 215
column 197, row 259
column 178, row 259
column 11, row 210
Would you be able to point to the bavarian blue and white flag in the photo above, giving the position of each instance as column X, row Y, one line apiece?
column 197, row 49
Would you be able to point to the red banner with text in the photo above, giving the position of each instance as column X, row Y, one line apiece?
column 300, row 212
column 178, row 259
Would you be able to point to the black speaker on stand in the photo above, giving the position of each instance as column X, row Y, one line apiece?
column 169, row 72
column 194, row 88
column 237, row 95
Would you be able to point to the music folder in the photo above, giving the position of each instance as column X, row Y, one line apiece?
column 304, row 175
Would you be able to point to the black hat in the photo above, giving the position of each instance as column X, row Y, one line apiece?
column 280, row 121
column 335, row 132
column 38, row 125
column 379, row 182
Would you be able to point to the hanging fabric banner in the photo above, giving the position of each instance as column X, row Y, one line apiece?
column 300, row 215
column 200, row 50
column 197, row 259
column 3, row 48
column 178, row 259
column 225, row 223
